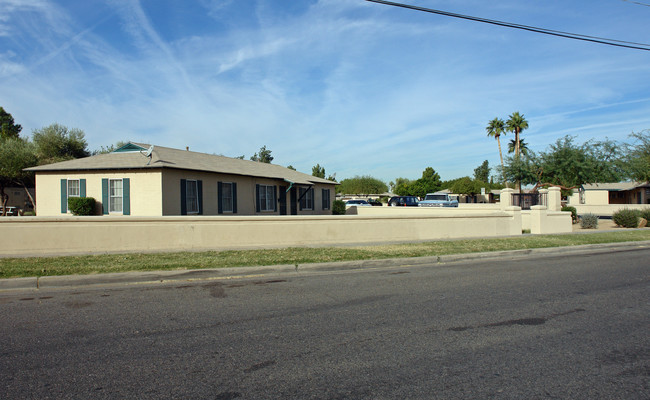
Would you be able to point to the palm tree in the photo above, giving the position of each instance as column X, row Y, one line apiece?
column 495, row 129
column 523, row 146
column 517, row 123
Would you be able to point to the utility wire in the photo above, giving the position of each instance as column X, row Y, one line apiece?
column 637, row 3
column 568, row 35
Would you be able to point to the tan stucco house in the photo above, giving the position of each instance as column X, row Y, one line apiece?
column 142, row 180
column 612, row 193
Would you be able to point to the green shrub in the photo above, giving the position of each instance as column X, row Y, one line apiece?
column 589, row 221
column 627, row 218
column 81, row 205
column 574, row 213
column 338, row 208
column 29, row 213
column 645, row 214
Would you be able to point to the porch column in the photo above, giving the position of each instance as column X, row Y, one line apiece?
column 554, row 199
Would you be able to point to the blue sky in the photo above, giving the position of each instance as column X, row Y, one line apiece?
column 358, row 87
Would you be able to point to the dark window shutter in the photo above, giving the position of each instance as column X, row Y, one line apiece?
column 234, row 198
column 199, row 192
column 220, row 197
column 322, row 202
column 104, row 196
column 257, row 198
column 82, row 188
column 126, row 196
column 313, row 199
column 183, row 197
column 64, row 196
column 301, row 196
column 275, row 198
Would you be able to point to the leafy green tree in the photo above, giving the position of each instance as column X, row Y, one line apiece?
column 58, row 143
column 428, row 183
column 318, row 171
column 8, row 128
column 362, row 185
column 16, row 154
column 522, row 170
column 466, row 185
column 399, row 182
column 264, row 156
column 495, row 129
column 482, row 172
column 288, row 166
column 638, row 156
column 568, row 164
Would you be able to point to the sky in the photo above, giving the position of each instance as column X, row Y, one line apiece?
column 358, row 87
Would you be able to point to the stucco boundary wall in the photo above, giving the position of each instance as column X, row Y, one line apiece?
column 34, row 236
column 606, row 210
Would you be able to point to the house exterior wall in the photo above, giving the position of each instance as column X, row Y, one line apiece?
column 145, row 190
column 158, row 192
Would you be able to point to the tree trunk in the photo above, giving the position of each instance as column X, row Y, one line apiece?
column 503, row 169
column 29, row 195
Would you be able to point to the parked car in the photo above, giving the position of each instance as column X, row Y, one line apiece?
column 357, row 202
column 375, row 203
column 438, row 200
column 403, row 201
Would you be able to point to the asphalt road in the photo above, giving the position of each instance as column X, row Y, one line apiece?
column 561, row 327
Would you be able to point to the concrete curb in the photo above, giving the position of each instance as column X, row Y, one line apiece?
column 154, row 277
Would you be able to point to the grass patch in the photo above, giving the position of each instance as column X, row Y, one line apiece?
column 92, row 264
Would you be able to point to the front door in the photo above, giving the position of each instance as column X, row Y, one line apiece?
column 294, row 200
column 283, row 200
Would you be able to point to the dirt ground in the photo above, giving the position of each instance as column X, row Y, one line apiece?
column 603, row 224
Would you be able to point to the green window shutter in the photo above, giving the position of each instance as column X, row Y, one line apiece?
column 64, row 196
column 234, row 198
column 199, row 190
column 82, row 188
column 257, row 198
column 105, row 196
column 219, row 198
column 126, row 196
column 183, row 197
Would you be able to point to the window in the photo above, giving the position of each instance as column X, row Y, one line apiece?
column 73, row 188
column 326, row 199
column 306, row 199
column 192, row 197
column 115, row 196
column 265, row 198
column 227, row 197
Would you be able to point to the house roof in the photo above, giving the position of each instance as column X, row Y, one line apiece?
column 133, row 156
column 618, row 186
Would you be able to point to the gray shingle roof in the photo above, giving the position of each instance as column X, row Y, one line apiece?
column 165, row 157
column 622, row 186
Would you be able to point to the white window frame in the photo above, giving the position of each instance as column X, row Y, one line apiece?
column 227, row 202
column 189, row 201
column 78, row 194
column 267, row 198
column 111, row 196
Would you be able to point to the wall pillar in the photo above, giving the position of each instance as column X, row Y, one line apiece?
column 506, row 198
column 554, row 199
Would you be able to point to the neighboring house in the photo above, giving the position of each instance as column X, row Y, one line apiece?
column 142, row 180
column 611, row 193
column 18, row 198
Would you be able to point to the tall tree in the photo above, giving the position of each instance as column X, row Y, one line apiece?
column 318, row 171
column 517, row 123
column 8, row 128
column 58, row 143
column 16, row 154
column 523, row 146
column 638, row 160
column 264, row 156
column 482, row 172
column 495, row 129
